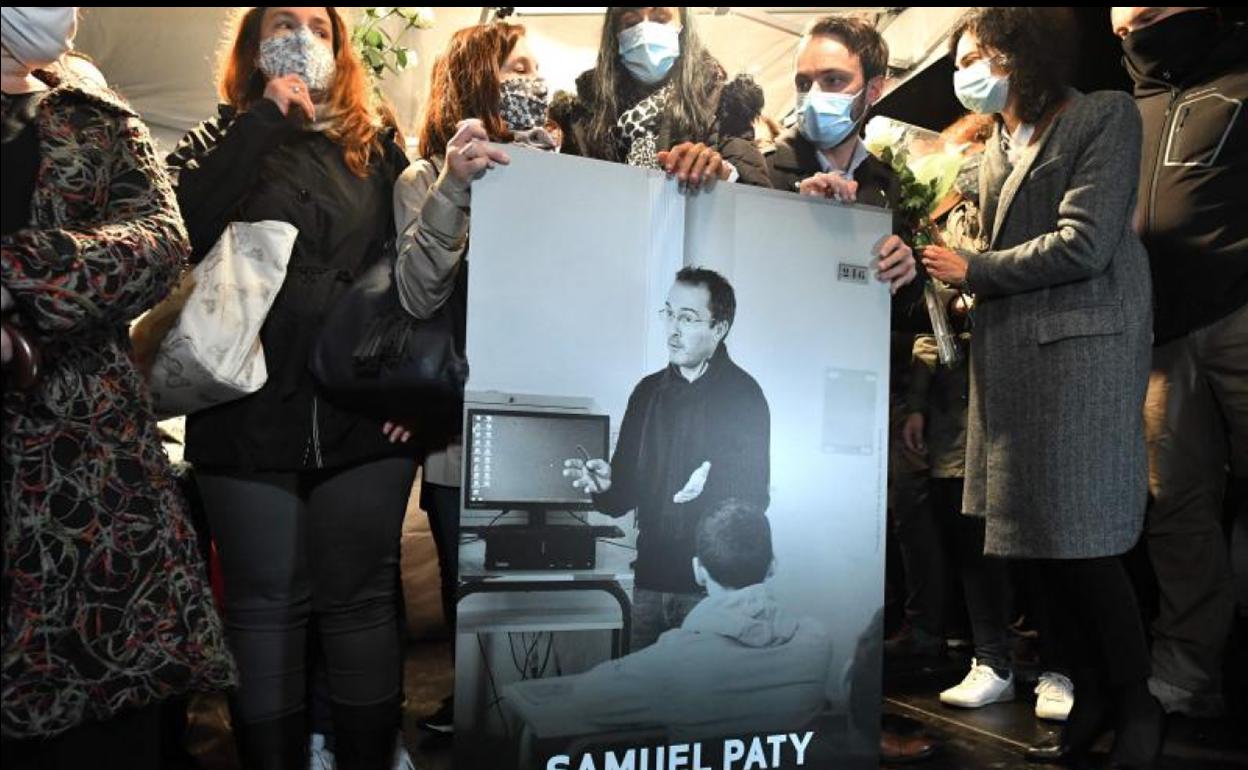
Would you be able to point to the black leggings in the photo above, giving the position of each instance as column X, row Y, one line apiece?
column 985, row 579
column 441, row 503
column 1096, row 620
column 296, row 543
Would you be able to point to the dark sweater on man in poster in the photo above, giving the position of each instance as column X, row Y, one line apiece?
column 671, row 426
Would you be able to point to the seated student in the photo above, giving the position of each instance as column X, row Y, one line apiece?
column 740, row 663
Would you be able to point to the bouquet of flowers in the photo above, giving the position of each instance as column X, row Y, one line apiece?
column 928, row 167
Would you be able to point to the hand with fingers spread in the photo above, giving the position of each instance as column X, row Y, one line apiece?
column 838, row 187
column 896, row 266
column 469, row 153
column 695, row 165
column 290, row 92
column 694, row 486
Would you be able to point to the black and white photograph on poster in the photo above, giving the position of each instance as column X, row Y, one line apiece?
column 671, row 551
column 855, row 386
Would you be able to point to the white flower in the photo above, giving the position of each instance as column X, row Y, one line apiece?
column 421, row 18
column 881, row 133
column 939, row 167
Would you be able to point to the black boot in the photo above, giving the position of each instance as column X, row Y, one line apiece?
column 1139, row 729
column 277, row 744
column 364, row 735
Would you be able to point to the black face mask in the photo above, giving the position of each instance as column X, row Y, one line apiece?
column 1170, row 49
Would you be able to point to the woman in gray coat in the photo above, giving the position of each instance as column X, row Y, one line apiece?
column 1055, row 456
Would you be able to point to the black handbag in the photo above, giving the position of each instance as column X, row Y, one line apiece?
column 372, row 356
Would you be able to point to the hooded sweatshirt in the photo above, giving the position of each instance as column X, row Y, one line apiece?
column 740, row 664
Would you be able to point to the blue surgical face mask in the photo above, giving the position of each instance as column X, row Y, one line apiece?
column 979, row 90
column 826, row 119
column 649, row 49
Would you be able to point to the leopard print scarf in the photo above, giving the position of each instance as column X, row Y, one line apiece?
column 637, row 129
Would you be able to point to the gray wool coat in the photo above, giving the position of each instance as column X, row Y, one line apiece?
column 1062, row 337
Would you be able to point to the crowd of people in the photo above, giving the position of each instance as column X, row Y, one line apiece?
column 1094, row 263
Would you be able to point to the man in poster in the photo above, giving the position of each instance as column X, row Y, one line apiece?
column 694, row 434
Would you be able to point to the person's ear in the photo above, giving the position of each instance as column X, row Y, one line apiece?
column 699, row 573
column 875, row 89
column 720, row 330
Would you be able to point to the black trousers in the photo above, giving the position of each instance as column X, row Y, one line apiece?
column 294, row 544
column 985, row 579
column 935, row 538
column 442, row 503
column 1096, row 621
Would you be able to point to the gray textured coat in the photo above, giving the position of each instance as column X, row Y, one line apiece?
column 1060, row 354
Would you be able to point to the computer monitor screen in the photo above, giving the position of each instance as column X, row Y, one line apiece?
column 515, row 459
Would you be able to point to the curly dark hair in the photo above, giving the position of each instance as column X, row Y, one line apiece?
column 1038, row 45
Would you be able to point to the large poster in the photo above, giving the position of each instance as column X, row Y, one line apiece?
column 674, row 482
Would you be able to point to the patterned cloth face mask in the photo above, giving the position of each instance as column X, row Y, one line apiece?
column 524, row 103
column 298, row 53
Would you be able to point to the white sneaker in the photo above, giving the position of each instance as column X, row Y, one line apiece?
column 980, row 687
column 1055, row 694
column 319, row 756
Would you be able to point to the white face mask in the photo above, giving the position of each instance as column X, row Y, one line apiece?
column 37, row 36
column 298, row 53
column 979, row 90
column 649, row 49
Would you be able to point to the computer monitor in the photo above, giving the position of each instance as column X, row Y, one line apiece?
column 514, row 459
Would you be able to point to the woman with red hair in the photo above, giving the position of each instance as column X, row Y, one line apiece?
column 305, row 498
column 484, row 88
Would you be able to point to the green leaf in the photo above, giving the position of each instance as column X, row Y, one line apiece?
column 400, row 55
column 373, row 38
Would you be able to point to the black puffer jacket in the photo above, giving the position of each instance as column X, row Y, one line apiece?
column 1194, row 186
column 254, row 166
column 738, row 103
